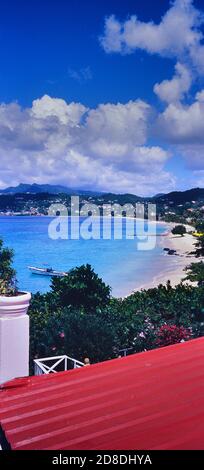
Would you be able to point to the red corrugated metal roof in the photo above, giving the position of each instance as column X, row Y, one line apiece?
column 151, row 400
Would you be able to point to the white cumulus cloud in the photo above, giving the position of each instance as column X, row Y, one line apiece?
column 178, row 33
column 48, row 107
column 177, row 36
column 105, row 148
column 181, row 123
column 182, row 127
column 175, row 89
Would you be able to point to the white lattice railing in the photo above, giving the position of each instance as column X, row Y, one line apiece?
column 52, row 365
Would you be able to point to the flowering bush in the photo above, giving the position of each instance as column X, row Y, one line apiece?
column 171, row 334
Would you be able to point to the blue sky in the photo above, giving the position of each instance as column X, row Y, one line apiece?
column 44, row 40
column 65, row 66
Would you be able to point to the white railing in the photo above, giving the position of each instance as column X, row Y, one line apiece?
column 52, row 365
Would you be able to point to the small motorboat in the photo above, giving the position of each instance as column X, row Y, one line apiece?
column 46, row 272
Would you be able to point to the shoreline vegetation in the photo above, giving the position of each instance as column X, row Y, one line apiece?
column 81, row 306
column 172, row 267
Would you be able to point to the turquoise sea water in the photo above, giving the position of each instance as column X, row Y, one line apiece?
column 118, row 262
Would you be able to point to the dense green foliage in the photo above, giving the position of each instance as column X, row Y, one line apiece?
column 199, row 226
column 100, row 326
column 200, row 246
column 179, row 230
column 195, row 273
column 82, row 288
column 7, row 273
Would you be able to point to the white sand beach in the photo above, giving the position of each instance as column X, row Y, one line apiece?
column 172, row 266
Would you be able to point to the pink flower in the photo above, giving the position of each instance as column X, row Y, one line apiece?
column 171, row 334
column 54, row 348
column 62, row 335
column 142, row 335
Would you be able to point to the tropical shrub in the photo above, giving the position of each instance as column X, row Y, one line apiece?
column 8, row 284
column 195, row 273
column 81, row 288
column 171, row 334
column 179, row 230
column 99, row 326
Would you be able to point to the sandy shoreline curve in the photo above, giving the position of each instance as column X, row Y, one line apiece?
column 172, row 266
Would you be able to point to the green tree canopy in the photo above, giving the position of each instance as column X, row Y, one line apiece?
column 195, row 272
column 81, row 288
column 179, row 230
column 132, row 322
column 200, row 246
column 7, row 272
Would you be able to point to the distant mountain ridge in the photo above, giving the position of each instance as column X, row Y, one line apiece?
column 45, row 188
column 175, row 197
column 181, row 197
